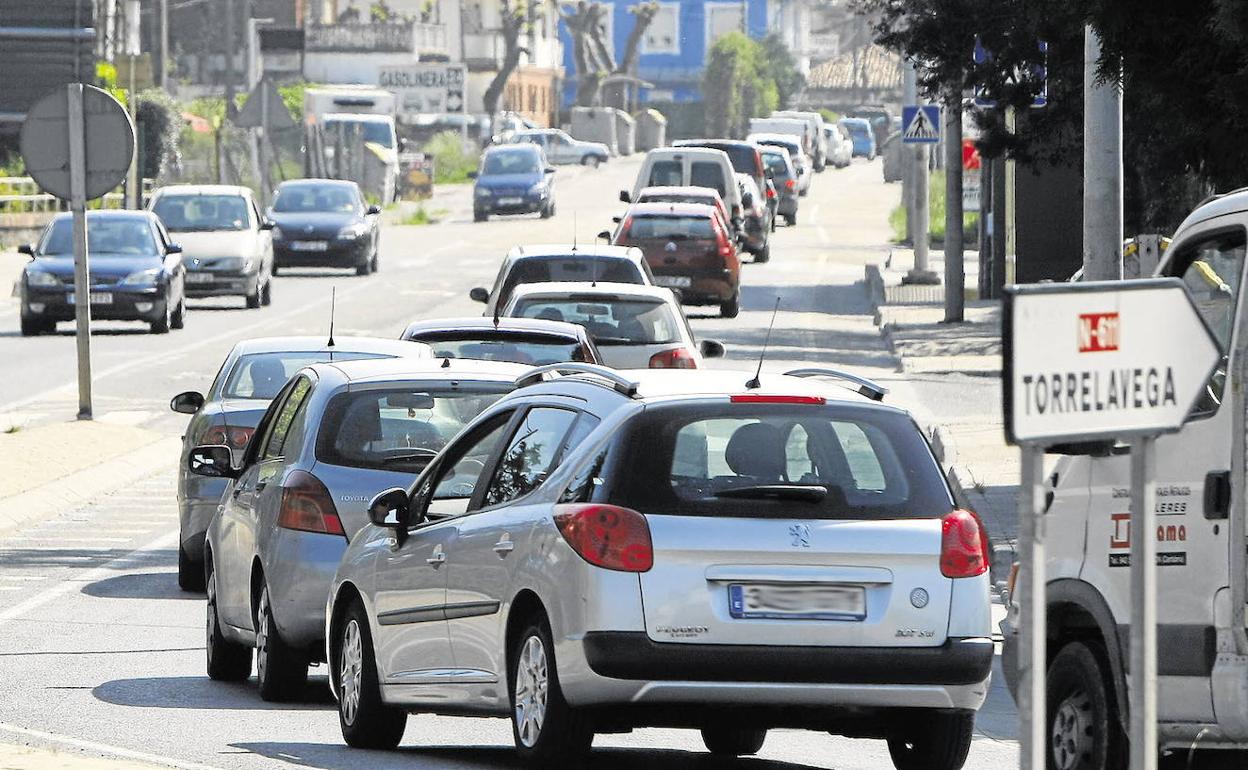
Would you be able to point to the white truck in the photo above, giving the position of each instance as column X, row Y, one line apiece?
column 1202, row 661
column 364, row 116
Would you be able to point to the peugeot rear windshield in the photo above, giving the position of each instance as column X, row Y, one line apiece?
column 516, row 347
column 806, row 461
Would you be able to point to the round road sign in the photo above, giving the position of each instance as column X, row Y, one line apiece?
column 109, row 142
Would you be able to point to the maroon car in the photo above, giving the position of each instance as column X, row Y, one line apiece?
column 688, row 249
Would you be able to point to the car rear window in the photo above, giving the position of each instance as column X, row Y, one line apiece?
column 666, row 173
column 262, row 375
column 675, row 228
column 608, row 321
column 581, row 268
column 534, row 349
column 776, row 164
column 400, row 428
column 785, row 460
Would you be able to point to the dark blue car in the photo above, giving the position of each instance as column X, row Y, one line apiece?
column 513, row 179
column 136, row 273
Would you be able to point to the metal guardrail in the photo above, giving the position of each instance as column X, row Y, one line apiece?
column 22, row 195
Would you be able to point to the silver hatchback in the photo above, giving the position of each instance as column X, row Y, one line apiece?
column 334, row 435
column 611, row 550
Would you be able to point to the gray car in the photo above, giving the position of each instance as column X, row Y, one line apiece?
column 334, row 435
column 718, row 550
column 251, row 375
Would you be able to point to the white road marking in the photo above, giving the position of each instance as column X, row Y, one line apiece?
column 103, row 748
column 73, row 539
column 31, row 578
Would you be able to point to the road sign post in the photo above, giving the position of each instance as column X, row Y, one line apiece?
column 82, row 272
column 920, row 128
column 1098, row 361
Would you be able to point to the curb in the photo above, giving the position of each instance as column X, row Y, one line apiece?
column 78, row 488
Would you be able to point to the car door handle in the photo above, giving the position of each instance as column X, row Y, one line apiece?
column 260, row 485
column 437, row 560
column 504, row 547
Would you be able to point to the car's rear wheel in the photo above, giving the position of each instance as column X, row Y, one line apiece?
column 790, row 219
column 1080, row 721
column 731, row 308
column 548, row 732
column 281, row 671
column 190, row 572
column 728, row 741
column 939, row 741
column 227, row 661
column 366, row 721
column 591, row 160
column 763, row 254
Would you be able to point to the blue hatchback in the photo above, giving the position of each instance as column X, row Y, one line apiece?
column 859, row 130
column 513, row 179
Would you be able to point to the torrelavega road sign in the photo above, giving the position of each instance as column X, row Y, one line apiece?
column 1103, row 360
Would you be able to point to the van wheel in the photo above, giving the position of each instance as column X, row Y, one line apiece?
column 731, row 308
column 227, row 661
column 733, row 741
column 547, row 731
column 935, row 742
column 366, row 721
column 281, row 671
column 1080, row 719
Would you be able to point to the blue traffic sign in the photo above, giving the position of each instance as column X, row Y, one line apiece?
column 983, row 99
column 920, row 124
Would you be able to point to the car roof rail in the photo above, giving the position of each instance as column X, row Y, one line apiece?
column 870, row 389
column 618, row 382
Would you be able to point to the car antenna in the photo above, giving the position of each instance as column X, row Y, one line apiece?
column 755, row 383
column 333, row 302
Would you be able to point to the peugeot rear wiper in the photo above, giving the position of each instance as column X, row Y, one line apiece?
column 806, row 493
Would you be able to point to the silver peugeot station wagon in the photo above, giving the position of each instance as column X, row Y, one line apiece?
column 606, row 550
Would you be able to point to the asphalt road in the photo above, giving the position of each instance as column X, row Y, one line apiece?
column 97, row 645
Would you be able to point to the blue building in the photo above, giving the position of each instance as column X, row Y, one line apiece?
column 674, row 51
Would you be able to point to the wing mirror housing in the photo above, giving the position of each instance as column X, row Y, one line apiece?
column 173, row 248
column 617, row 220
column 473, row 175
column 215, row 462
column 373, row 210
column 268, row 224
column 550, row 169
column 479, row 294
column 189, row 402
column 605, row 235
column 747, row 200
column 28, row 249
column 625, row 197
column 391, row 509
column 712, row 349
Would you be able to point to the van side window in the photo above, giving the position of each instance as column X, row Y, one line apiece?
column 1212, row 267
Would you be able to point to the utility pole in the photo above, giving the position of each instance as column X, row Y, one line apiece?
column 955, row 272
column 231, row 53
column 909, row 95
column 1102, row 169
column 164, row 44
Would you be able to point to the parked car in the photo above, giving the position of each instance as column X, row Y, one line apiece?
column 690, row 167
column 689, row 250
column 609, row 550
column 513, row 179
column 561, row 148
column 335, row 435
column 252, row 374
column 758, row 219
column 634, row 327
column 136, row 273
column 784, row 177
column 531, row 341
column 881, row 120
column 840, row 146
column 822, row 153
column 800, row 160
column 862, row 135
column 226, row 244
column 324, row 223
column 549, row 263
column 743, row 156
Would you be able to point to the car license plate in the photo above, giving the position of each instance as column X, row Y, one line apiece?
column 96, row 297
column 673, row 281
column 199, row 277
column 510, row 201
column 309, row 245
column 797, row 602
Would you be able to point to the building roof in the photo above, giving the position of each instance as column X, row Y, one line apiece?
column 875, row 68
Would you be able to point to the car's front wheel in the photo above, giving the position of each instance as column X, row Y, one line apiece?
column 548, row 732
column 790, row 219
column 763, row 254
column 281, row 671
column 227, row 661
column 266, row 295
column 939, row 741
column 366, row 721
column 178, row 319
column 161, row 325
column 733, row 741
column 591, row 160
column 34, row 326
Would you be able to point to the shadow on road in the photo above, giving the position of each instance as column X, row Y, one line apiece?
column 823, row 346
column 147, row 585
column 838, row 300
column 194, row 692
column 40, row 558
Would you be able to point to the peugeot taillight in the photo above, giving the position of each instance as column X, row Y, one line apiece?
column 963, row 545
column 723, row 242
column 307, row 506
column 790, row 184
column 771, row 193
column 229, row 435
column 607, row 536
column 676, row 358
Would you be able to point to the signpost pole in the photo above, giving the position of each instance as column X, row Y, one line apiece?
column 1033, row 629
column 1143, row 604
column 82, row 283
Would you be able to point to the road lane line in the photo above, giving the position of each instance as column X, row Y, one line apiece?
column 103, row 748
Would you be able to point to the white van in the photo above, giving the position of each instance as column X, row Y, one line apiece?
column 821, row 154
column 689, row 167
column 795, row 126
column 1202, row 641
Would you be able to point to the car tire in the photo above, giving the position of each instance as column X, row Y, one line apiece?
column 190, row 572
column 480, row 216
column 266, row 296
column 227, row 661
column 364, row 269
column 939, row 741
column 178, row 319
column 1081, row 726
column 592, row 161
column 763, row 254
column 32, row 327
column 281, row 671
column 727, row 741
column 256, row 298
column 276, row 269
column 161, row 325
column 731, row 308
column 375, row 265
column 547, row 211
column 555, row 734
column 790, row 219
column 366, row 721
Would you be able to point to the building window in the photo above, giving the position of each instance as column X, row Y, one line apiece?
column 721, row 19
column 663, row 34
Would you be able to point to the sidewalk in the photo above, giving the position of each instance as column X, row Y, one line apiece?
column 32, row 758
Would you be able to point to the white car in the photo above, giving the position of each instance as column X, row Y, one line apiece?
column 840, row 147
column 633, row 326
column 720, row 551
column 801, row 161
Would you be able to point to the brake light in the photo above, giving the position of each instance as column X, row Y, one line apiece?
column 607, row 536
column 771, row 193
column 232, row 436
column 758, row 398
column 963, row 545
column 723, row 243
column 790, row 184
column 307, row 506
column 676, row 358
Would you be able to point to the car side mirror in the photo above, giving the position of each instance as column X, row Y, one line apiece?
column 173, row 248
column 473, row 175
column 28, row 249
column 747, row 200
column 605, row 235
column 617, row 220
column 391, row 509
column 214, row 462
column 268, row 224
column 479, row 294
column 189, row 402
column 550, row 169
column 625, row 197
column 711, row 349
column 402, row 144
column 373, row 210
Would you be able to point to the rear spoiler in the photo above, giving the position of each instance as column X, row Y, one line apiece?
column 614, row 379
column 868, row 388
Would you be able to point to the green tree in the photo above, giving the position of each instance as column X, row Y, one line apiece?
column 781, row 67
column 736, row 86
column 514, row 23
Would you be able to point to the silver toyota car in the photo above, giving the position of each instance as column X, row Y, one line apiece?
column 607, row 550
column 334, row 435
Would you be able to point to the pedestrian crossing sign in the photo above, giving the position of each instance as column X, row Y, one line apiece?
column 920, row 124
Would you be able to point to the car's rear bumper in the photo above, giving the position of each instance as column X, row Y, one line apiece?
column 706, row 286
column 337, row 254
column 299, row 569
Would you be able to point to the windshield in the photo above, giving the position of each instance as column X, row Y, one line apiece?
column 192, row 213
column 511, row 163
column 705, row 200
column 262, row 375
column 838, row 462
column 106, row 237
column 533, row 349
column 376, row 131
column 608, row 321
column 674, row 228
column 307, row 198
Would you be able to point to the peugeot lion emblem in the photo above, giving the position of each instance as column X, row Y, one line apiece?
column 309, row 228
column 671, row 246
column 801, row 535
